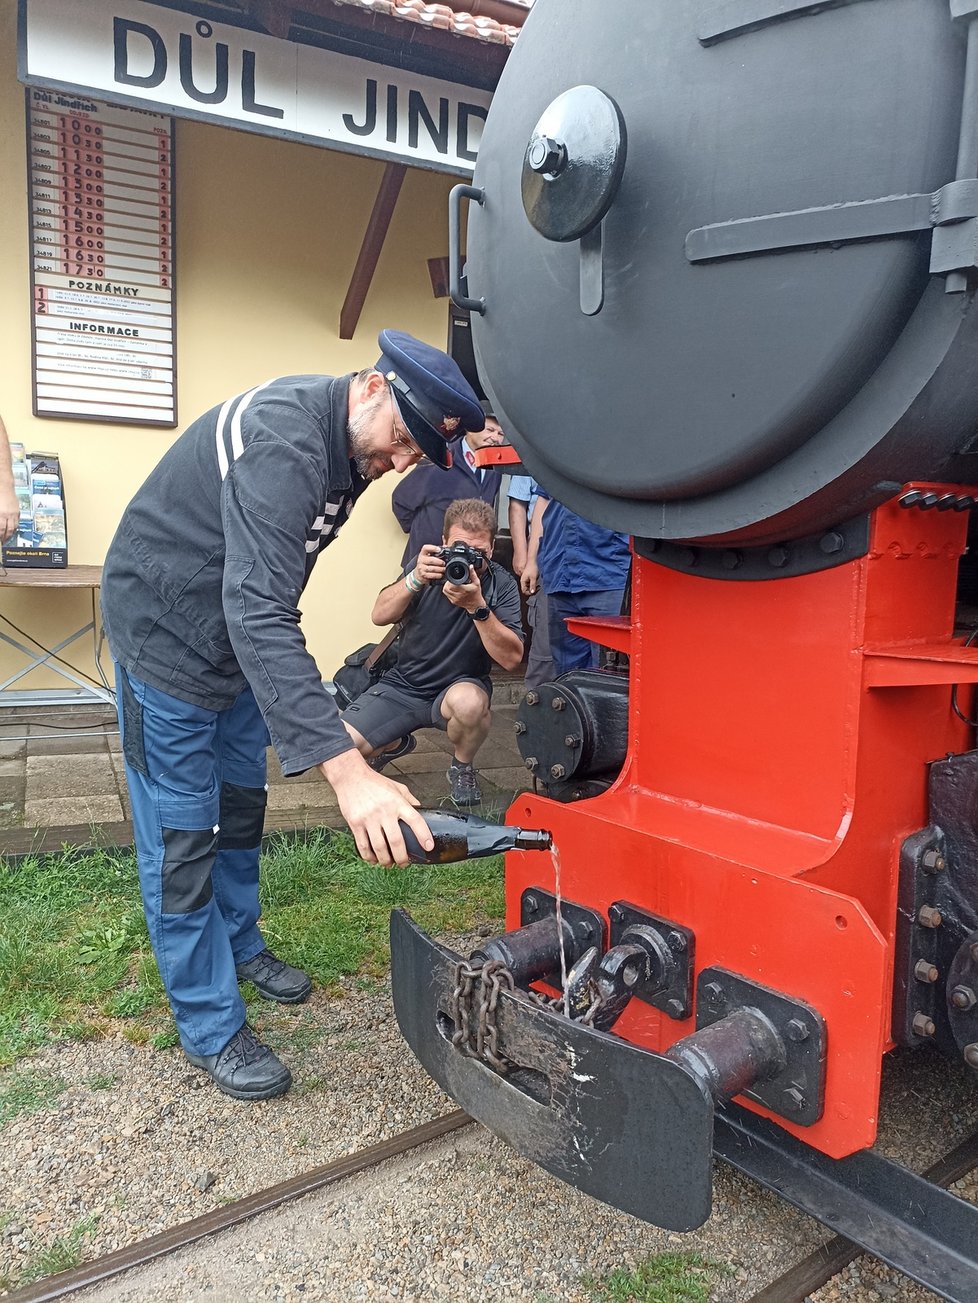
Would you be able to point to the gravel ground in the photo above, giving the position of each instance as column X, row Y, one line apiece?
column 141, row 1142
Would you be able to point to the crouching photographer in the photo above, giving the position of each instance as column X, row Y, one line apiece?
column 459, row 612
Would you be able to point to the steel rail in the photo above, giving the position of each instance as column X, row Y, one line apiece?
column 832, row 1257
column 65, row 1283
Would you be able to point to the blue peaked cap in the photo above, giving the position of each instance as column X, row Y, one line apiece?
column 436, row 402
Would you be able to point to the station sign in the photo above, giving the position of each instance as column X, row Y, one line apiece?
column 175, row 62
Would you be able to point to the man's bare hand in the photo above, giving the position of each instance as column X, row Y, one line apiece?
column 530, row 578
column 429, row 567
column 467, row 596
column 9, row 514
column 373, row 806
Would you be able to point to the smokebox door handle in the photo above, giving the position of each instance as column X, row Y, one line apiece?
column 456, row 289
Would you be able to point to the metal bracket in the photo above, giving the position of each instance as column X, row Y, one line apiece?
column 800, row 556
column 918, row 993
column 797, row 1093
column 950, row 211
column 587, row 924
column 675, row 999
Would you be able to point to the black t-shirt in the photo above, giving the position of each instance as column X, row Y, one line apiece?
column 440, row 642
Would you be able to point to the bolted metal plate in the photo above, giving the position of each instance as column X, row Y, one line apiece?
column 616, row 1121
column 573, row 163
column 587, row 924
column 675, row 999
column 742, row 399
column 797, row 1093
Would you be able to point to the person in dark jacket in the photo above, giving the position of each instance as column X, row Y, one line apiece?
column 200, row 593
column 452, row 633
column 420, row 500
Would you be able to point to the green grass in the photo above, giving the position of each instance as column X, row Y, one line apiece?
column 664, row 1278
column 27, row 1092
column 61, row 1254
column 75, row 958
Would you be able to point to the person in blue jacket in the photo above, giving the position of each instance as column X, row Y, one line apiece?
column 200, row 593
column 583, row 568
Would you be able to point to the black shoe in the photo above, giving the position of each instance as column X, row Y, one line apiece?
column 274, row 979
column 464, row 782
column 404, row 747
column 245, row 1068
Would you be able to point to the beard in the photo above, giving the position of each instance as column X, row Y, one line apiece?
column 370, row 465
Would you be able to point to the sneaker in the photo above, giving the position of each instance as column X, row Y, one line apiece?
column 274, row 979
column 464, row 783
column 245, row 1068
column 404, row 747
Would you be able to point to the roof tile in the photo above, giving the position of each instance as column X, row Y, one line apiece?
column 443, row 17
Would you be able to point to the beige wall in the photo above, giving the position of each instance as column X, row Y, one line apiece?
column 267, row 234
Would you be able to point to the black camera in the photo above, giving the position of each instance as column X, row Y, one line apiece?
column 457, row 560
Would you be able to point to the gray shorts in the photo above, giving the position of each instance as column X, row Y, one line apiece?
column 387, row 711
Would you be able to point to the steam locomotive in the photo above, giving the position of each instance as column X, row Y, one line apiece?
column 721, row 265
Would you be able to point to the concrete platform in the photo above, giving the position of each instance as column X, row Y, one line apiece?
column 62, row 781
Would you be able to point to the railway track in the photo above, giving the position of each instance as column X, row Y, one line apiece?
column 66, row 1283
column 796, row 1284
column 819, row 1267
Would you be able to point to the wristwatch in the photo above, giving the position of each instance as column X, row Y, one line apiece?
column 481, row 614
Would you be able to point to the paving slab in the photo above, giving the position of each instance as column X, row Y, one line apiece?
column 293, row 795
column 72, row 810
column 74, row 775
column 47, row 743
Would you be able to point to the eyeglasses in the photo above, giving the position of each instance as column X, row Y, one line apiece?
column 399, row 440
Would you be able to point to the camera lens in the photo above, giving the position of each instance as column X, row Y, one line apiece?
column 457, row 571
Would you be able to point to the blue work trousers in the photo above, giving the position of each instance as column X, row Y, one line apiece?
column 569, row 650
column 197, row 785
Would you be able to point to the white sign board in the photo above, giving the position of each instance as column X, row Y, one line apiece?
column 134, row 53
column 101, row 203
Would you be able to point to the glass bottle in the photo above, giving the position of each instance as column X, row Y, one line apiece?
column 467, row 837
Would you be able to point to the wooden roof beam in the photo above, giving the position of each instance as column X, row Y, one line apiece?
column 370, row 249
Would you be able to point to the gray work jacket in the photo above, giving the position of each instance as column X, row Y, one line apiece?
column 201, row 583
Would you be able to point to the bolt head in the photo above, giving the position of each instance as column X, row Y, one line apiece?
column 558, row 771
column 557, row 703
column 933, row 861
column 532, row 698
column 974, row 952
column 964, row 998
column 571, row 741
column 546, row 155
column 928, row 916
column 925, row 971
column 971, row 1055
column 531, row 763
column 675, row 1009
column 713, row 991
column 922, row 1025
column 797, row 1031
column 676, row 940
column 519, row 728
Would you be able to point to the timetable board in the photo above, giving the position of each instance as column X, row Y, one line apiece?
column 101, row 205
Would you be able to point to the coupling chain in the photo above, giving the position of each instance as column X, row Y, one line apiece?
column 474, row 1010
column 557, row 1004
